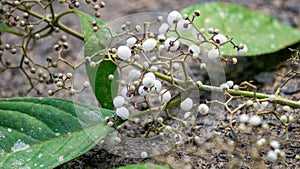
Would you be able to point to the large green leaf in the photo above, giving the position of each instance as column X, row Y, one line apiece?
column 262, row 33
column 104, row 89
column 144, row 166
column 46, row 132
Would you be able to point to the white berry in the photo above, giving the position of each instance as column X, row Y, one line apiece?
column 124, row 52
column 203, row 109
column 272, row 155
column 163, row 28
column 119, row 101
column 143, row 90
column 242, row 51
column 131, row 41
column 243, row 118
column 219, row 38
column 144, row 154
column 255, row 120
column 186, row 104
column 134, row 74
column 172, row 44
column 183, row 25
column 173, row 17
column 274, row 144
column 164, row 96
column 122, row 112
column 149, row 44
column 194, row 49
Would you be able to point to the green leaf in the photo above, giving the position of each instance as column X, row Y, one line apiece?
column 260, row 32
column 46, row 132
column 144, row 166
column 5, row 28
column 104, row 89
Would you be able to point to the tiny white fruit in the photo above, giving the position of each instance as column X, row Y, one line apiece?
column 186, row 104
column 131, row 41
column 149, row 44
column 124, row 52
column 255, row 120
column 183, row 25
column 243, row 118
column 163, row 28
column 164, row 96
column 274, row 144
column 194, row 49
column 203, row 109
column 122, row 112
column 242, row 51
column 219, row 38
column 172, row 44
column 143, row 90
column 173, row 17
column 119, row 101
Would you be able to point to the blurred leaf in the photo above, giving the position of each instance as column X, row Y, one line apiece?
column 46, row 132
column 144, row 166
column 104, row 89
column 5, row 28
column 260, row 32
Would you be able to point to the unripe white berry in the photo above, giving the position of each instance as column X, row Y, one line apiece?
column 146, row 65
column 203, row 66
column 160, row 119
column 119, row 101
column 265, row 126
column 297, row 157
column 243, row 118
column 272, row 156
column 291, row 118
column 197, row 139
column 224, row 87
column 148, row 82
column 72, row 91
column 122, row 112
column 274, row 144
column 213, row 53
column 144, row 154
column 249, row 103
column 219, row 38
column 86, row 84
column 186, row 104
column 110, row 123
column 111, row 77
column 261, row 141
column 283, row 118
column 183, row 25
column 137, row 57
column 143, row 91
column 164, row 96
column 230, row 83
column 234, row 61
column 150, row 74
column 172, row 44
column 255, row 120
column 187, row 115
column 69, row 75
column 93, row 64
column 59, row 84
column 153, row 68
column 131, row 41
column 203, row 109
column 236, row 87
column 124, row 52
column 242, row 51
column 161, row 37
column 163, row 28
column 286, row 108
column 149, row 44
column 194, row 49
column 173, row 17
